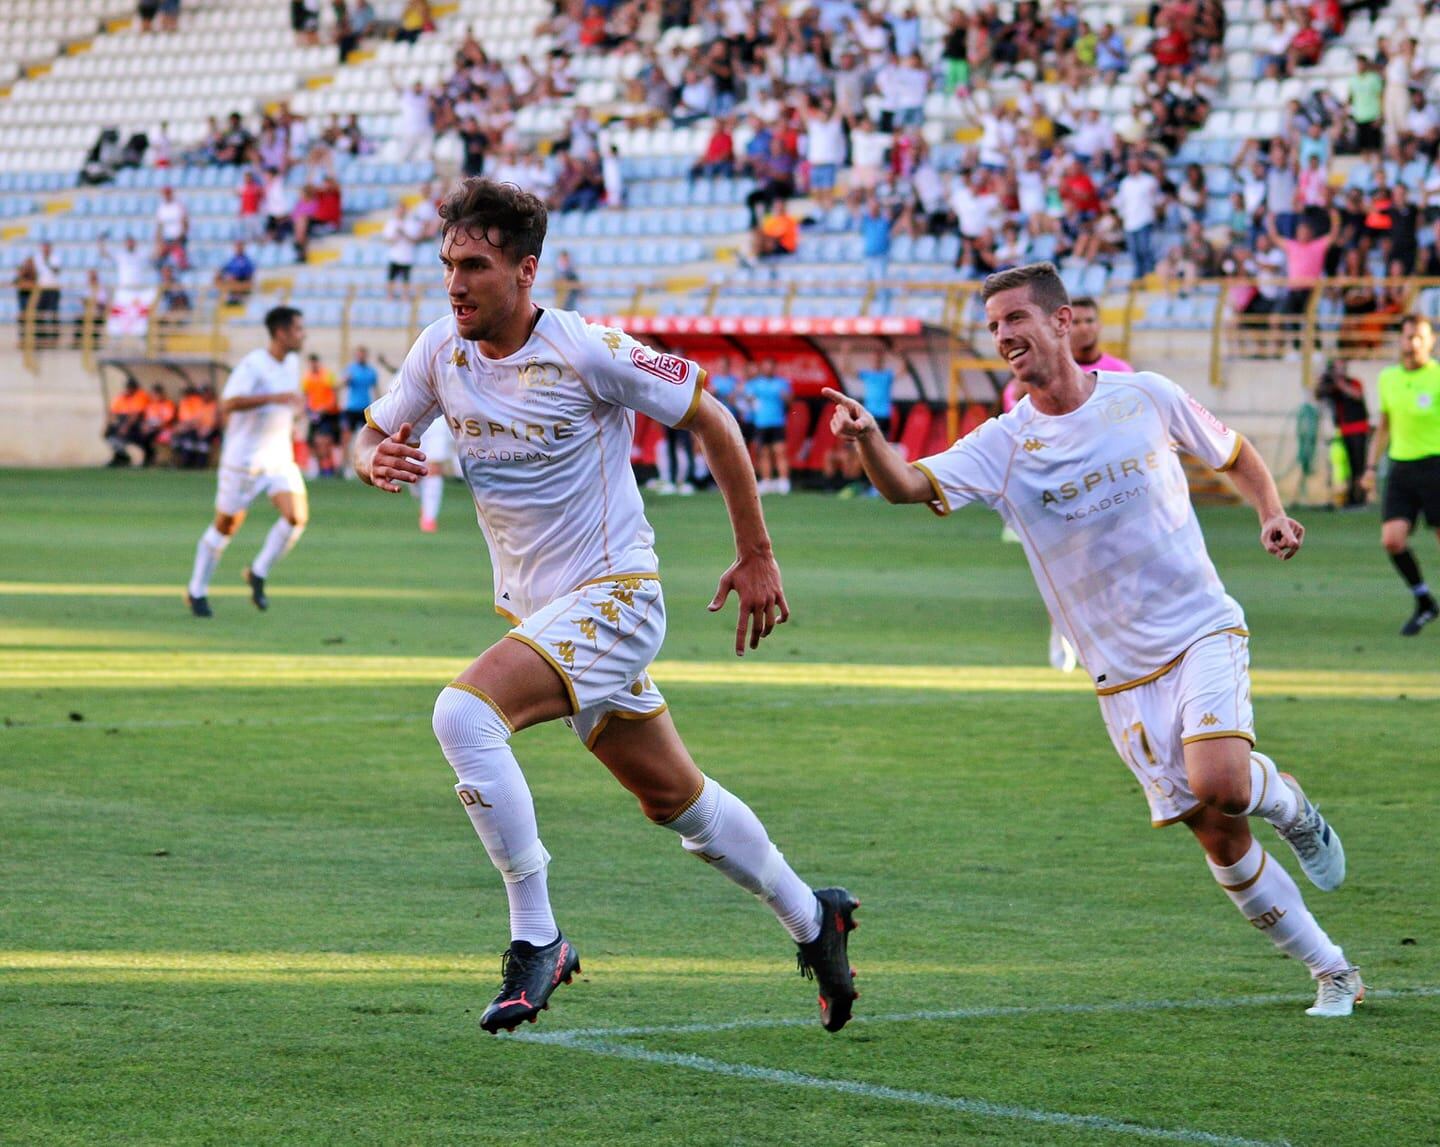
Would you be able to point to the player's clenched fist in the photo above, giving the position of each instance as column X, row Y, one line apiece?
column 850, row 420
column 396, row 461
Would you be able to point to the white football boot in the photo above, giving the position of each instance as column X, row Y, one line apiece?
column 1337, row 993
column 1316, row 845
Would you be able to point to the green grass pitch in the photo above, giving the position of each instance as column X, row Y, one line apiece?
column 239, row 903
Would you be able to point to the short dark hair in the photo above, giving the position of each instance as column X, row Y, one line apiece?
column 278, row 318
column 1043, row 280
column 509, row 218
column 1085, row 301
column 1417, row 318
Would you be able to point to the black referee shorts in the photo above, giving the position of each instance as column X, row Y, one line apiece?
column 1412, row 489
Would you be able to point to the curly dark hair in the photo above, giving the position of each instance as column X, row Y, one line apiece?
column 1046, row 287
column 508, row 218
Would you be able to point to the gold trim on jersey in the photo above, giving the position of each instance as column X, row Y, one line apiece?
column 684, row 808
column 608, row 578
column 935, row 486
column 508, row 616
column 1186, row 815
column 622, row 715
column 1218, row 736
column 1111, row 690
column 474, row 692
column 375, row 426
column 1234, row 454
column 555, row 665
column 694, row 408
column 1244, row 884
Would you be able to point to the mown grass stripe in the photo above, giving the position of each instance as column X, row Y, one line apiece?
column 131, row 669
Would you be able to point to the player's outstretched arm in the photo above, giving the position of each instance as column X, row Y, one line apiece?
column 888, row 472
column 386, row 461
column 1280, row 534
column 251, row 401
column 754, row 576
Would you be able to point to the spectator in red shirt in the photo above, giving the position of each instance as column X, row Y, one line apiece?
column 329, row 208
column 1305, row 46
column 1077, row 191
column 1172, row 48
column 250, row 193
column 719, row 155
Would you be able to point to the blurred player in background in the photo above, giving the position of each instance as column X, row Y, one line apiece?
column 539, row 403
column 1409, row 435
column 768, row 394
column 1083, row 469
column 260, row 405
column 438, row 446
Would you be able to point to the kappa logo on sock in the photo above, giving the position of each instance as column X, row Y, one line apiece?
column 1208, row 720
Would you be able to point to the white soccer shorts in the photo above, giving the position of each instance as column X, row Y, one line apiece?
column 238, row 488
column 601, row 639
column 1206, row 695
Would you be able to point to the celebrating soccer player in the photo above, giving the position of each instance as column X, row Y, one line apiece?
column 540, row 406
column 1084, row 471
column 260, row 403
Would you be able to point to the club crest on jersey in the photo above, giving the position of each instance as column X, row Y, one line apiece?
column 535, row 374
column 666, row 366
column 1032, row 445
column 458, row 358
column 1122, row 410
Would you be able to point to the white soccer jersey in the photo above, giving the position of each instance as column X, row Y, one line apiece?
column 543, row 438
column 1102, row 507
column 260, row 438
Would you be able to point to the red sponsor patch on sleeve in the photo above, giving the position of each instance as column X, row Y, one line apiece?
column 669, row 367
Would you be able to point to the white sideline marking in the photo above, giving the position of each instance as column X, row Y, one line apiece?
column 1120, row 1006
column 100, row 725
column 597, row 1041
column 979, row 1107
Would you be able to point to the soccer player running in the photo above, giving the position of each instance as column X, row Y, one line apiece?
column 259, row 404
column 540, row 404
column 1409, row 433
column 1084, row 469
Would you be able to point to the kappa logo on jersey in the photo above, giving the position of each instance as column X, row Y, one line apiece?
column 612, row 339
column 1206, row 415
column 458, row 358
column 1209, row 719
column 665, row 366
column 1032, row 445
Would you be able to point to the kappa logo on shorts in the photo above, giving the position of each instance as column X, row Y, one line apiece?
column 1208, row 720
column 666, row 366
column 565, row 650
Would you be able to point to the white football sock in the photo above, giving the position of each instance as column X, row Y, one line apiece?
column 720, row 829
column 1270, row 797
column 207, row 556
column 278, row 542
column 432, row 490
column 1267, row 897
column 475, row 738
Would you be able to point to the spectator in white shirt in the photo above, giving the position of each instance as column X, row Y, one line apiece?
column 172, row 230
column 1137, row 199
column 401, row 235
column 133, row 268
column 417, row 132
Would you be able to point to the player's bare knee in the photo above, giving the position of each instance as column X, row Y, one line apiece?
column 1227, row 794
column 227, row 524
